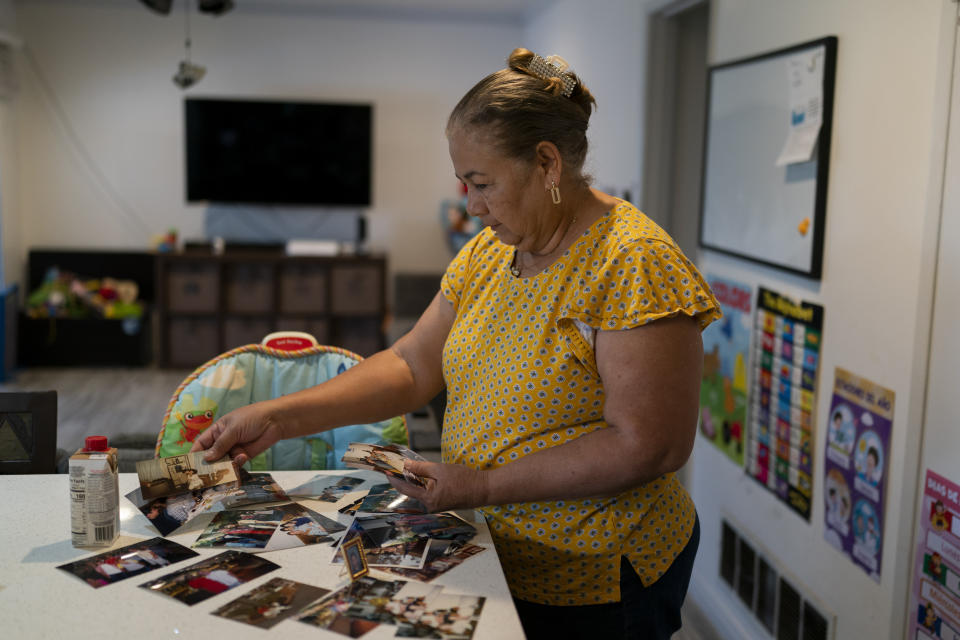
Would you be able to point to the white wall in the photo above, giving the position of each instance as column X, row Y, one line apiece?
column 100, row 123
column 941, row 437
column 603, row 41
column 876, row 287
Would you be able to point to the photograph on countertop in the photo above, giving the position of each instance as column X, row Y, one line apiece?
column 271, row 603
column 388, row 529
column 409, row 603
column 454, row 616
column 383, row 498
column 388, row 459
column 210, row 577
column 388, row 541
column 405, row 555
column 247, row 528
column 355, row 609
column 377, row 533
column 301, row 527
column 132, row 560
column 441, row 556
column 326, row 488
column 169, row 513
column 440, row 526
column 351, row 508
column 369, row 598
column 161, row 477
column 330, row 612
column 253, row 488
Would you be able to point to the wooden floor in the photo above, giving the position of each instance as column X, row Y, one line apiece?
column 102, row 401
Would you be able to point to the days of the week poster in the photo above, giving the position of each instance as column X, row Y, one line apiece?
column 858, row 447
column 935, row 597
column 726, row 347
column 787, row 338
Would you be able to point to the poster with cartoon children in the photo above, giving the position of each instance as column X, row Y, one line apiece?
column 723, row 391
column 858, row 444
column 935, row 596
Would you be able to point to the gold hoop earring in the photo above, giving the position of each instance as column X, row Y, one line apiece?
column 554, row 192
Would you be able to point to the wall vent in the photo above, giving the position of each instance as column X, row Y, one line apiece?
column 782, row 608
column 728, row 554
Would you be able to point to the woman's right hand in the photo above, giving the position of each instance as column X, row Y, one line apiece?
column 243, row 433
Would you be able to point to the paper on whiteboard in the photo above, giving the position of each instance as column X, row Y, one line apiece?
column 805, row 74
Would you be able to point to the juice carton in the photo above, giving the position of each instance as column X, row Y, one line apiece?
column 94, row 495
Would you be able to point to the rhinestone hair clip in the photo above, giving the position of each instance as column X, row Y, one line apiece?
column 553, row 67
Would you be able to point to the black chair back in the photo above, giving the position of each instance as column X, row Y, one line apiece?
column 28, row 432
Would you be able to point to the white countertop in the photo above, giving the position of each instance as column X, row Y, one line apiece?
column 37, row 600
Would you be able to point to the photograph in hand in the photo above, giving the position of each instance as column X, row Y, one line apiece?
column 388, row 459
column 161, row 477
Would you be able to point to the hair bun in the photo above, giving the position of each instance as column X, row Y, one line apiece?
column 519, row 59
column 533, row 100
column 554, row 72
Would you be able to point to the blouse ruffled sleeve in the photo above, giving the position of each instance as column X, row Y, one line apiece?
column 641, row 281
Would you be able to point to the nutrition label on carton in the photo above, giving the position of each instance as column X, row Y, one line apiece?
column 94, row 510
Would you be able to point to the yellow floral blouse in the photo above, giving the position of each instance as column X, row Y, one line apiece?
column 522, row 376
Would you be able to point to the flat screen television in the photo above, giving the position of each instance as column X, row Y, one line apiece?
column 278, row 152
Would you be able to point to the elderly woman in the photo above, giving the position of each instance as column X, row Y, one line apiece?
column 567, row 336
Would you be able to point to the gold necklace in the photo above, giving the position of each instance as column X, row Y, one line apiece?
column 515, row 269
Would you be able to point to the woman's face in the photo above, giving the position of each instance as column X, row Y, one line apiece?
column 507, row 195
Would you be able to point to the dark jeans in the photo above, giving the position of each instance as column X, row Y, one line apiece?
column 643, row 612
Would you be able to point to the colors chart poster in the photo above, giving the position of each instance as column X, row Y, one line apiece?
column 786, row 356
column 935, row 596
column 723, row 390
column 855, row 468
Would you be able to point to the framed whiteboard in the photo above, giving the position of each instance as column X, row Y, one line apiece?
column 751, row 207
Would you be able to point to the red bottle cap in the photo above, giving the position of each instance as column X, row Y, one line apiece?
column 96, row 443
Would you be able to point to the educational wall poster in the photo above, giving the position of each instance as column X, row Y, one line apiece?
column 723, row 390
column 935, row 597
column 855, row 468
column 786, row 345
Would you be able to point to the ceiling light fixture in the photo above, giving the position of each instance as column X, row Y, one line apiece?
column 188, row 73
column 160, row 6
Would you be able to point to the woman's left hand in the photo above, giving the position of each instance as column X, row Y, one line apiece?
column 448, row 486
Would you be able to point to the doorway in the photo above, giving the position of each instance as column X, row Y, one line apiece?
column 676, row 104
